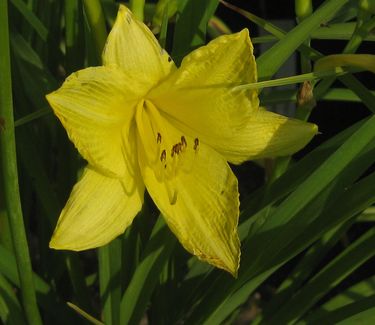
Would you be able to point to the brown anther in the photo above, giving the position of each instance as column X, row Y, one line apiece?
column 196, row 143
column 169, row 59
column 158, row 139
column 163, row 156
column 183, row 142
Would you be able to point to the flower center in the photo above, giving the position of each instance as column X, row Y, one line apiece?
column 168, row 152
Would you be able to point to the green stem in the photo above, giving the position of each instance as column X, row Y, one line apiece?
column 110, row 281
column 96, row 21
column 10, row 175
column 311, row 76
column 137, row 7
column 304, row 9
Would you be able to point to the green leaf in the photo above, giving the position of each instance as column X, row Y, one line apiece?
column 360, row 312
column 354, row 294
column 31, row 18
column 191, row 26
column 11, row 312
column 269, row 62
column 337, row 270
column 312, row 186
column 10, row 176
column 145, row 278
column 363, row 61
column 110, row 281
column 84, row 314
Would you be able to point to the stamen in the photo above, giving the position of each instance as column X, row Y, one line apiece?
column 163, row 156
column 169, row 154
column 183, row 142
column 196, row 144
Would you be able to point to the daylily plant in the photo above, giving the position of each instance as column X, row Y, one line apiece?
column 142, row 123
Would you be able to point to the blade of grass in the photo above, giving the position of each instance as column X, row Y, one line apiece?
column 350, row 203
column 10, row 176
column 354, row 294
column 137, row 7
column 337, row 270
column 10, row 309
column 191, row 26
column 46, row 297
column 31, row 18
column 332, row 94
column 95, row 17
column 110, row 281
column 73, row 35
column 292, row 80
column 317, row 181
column 350, row 81
column 343, row 31
column 269, row 62
column 142, row 284
column 164, row 27
column 85, row 315
column 359, row 312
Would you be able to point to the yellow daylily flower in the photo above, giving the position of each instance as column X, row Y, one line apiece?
column 140, row 122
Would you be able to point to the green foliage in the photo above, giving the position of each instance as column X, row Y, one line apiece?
column 307, row 232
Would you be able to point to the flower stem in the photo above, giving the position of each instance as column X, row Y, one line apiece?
column 10, row 175
column 95, row 18
column 137, row 7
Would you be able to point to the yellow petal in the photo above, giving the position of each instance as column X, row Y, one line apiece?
column 195, row 190
column 133, row 47
column 199, row 94
column 98, row 210
column 266, row 134
column 94, row 105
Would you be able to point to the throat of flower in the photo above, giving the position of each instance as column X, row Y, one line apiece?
column 168, row 152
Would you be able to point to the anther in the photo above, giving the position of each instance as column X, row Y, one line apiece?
column 163, row 156
column 183, row 142
column 196, row 143
column 176, row 149
column 158, row 139
column 169, row 59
